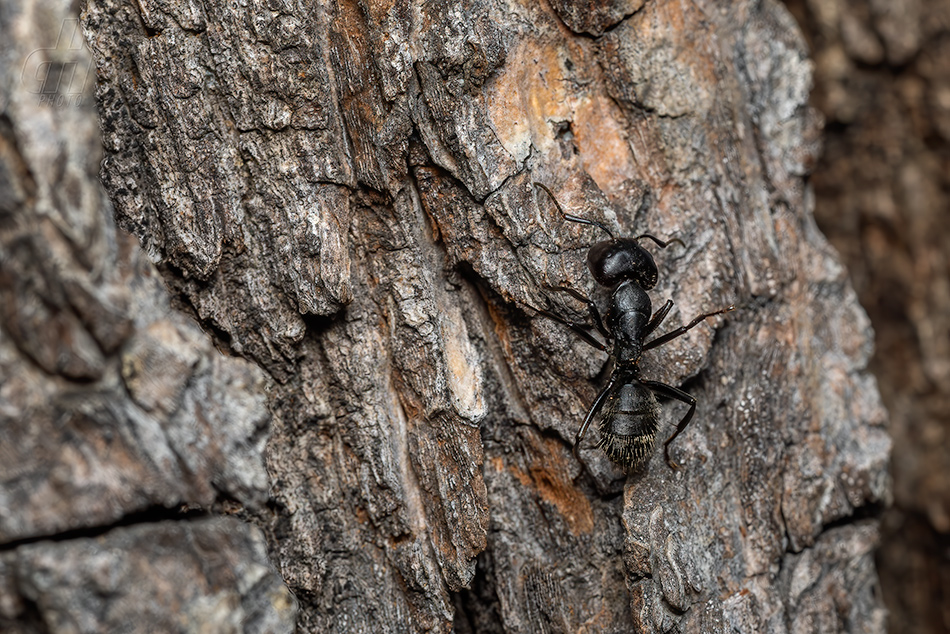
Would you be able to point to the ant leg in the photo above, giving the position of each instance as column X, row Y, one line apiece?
column 579, row 329
column 598, row 403
column 591, row 308
column 657, row 318
column 662, row 244
column 673, row 334
column 678, row 394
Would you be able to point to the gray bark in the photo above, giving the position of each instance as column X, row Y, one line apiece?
column 115, row 409
column 342, row 194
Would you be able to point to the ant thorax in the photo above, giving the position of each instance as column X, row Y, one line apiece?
column 629, row 312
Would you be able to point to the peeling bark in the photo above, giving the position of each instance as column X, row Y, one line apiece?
column 343, row 195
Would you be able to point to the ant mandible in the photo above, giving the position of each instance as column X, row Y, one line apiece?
column 631, row 411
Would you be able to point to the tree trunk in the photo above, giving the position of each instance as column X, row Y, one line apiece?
column 344, row 196
column 114, row 408
column 882, row 193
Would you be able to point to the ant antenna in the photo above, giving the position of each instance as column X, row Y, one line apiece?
column 577, row 219
column 585, row 221
column 662, row 244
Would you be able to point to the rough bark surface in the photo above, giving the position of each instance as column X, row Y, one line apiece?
column 342, row 193
column 114, row 408
column 882, row 194
column 206, row 575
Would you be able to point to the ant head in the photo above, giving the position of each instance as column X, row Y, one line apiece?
column 618, row 259
column 613, row 261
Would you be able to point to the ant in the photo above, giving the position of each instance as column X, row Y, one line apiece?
column 631, row 411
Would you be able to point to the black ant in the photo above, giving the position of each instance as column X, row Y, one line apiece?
column 631, row 411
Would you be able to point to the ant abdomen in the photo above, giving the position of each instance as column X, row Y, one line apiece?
column 628, row 425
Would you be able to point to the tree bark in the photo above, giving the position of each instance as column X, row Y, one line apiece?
column 882, row 193
column 115, row 409
column 343, row 195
